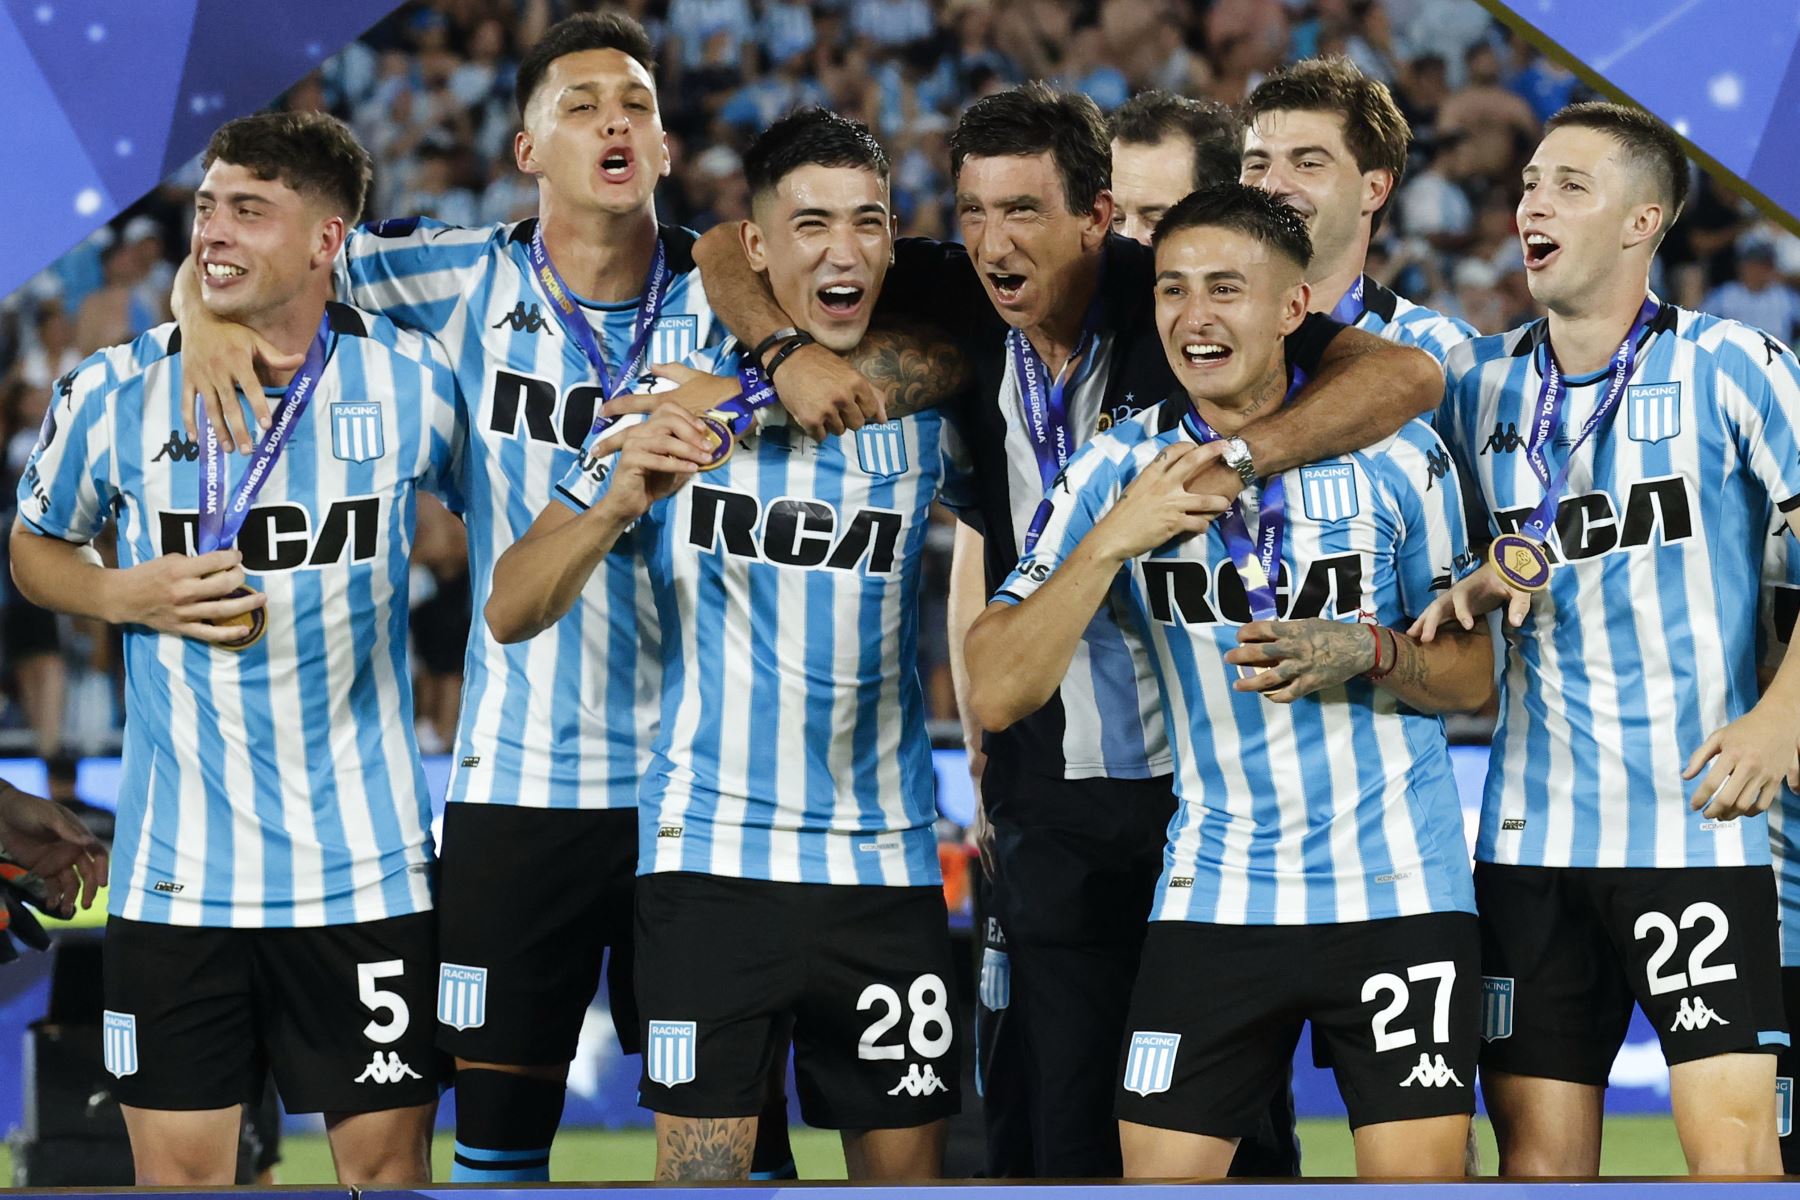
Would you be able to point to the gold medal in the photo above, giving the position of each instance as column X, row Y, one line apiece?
column 719, row 427
column 254, row 624
column 1521, row 561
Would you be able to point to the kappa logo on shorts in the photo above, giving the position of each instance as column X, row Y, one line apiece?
column 1429, row 1073
column 119, row 1034
column 669, row 1052
column 388, row 1070
column 462, row 996
column 1693, row 1014
column 996, row 979
column 919, row 1081
column 1784, row 1106
column 1150, row 1063
column 1496, row 1008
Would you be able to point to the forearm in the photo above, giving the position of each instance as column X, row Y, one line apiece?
column 967, row 596
column 1452, row 673
column 62, row 576
column 540, row 577
column 1359, row 397
column 184, row 297
column 739, row 296
column 1016, row 655
column 1781, row 695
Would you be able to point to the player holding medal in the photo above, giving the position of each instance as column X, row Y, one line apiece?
column 1608, row 869
column 271, row 906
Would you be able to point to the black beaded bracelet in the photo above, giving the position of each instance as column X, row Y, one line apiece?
column 794, row 343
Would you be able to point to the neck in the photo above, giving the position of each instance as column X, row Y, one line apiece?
column 1055, row 337
column 1334, row 281
column 1585, row 339
column 290, row 329
column 603, row 256
column 1230, row 414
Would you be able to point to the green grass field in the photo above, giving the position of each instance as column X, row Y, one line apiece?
column 1634, row 1146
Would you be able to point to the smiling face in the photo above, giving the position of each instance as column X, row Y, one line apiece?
column 825, row 237
column 1224, row 302
column 593, row 133
column 1148, row 178
column 1300, row 157
column 1026, row 244
column 257, row 244
column 1583, row 207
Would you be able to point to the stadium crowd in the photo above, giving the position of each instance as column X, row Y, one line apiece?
column 429, row 91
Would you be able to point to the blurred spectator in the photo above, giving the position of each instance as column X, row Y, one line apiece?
column 1757, row 297
column 51, row 352
column 434, row 192
column 1489, row 130
column 890, row 24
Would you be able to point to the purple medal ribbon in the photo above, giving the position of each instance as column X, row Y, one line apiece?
column 569, row 316
column 1350, row 307
column 754, row 391
column 1046, row 407
column 1549, row 417
column 220, row 518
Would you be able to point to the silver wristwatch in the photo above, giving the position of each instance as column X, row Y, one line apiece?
column 1237, row 457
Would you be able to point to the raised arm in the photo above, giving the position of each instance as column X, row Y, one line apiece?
column 1366, row 388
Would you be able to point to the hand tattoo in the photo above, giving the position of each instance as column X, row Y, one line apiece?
column 915, row 366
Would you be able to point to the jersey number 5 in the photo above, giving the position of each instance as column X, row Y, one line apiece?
column 380, row 1000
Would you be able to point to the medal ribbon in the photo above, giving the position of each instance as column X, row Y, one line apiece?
column 1046, row 407
column 1350, row 307
column 1258, row 559
column 220, row 517
column 754, row 391
column 1549, row 417
column 574, row 323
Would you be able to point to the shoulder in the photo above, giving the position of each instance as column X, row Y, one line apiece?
column 113, row 367
column 1732, row 344
column 418, row 233
column 1406, row 465
column 379, row 335
column 1417, row 325
column 1468, row 359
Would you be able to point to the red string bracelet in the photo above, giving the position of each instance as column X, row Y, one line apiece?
column 1378, row 672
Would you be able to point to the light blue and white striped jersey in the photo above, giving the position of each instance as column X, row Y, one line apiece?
column 279, row 785
column 792, row 744
column 1780, row 606
column 1389, row 315
column 1340, row 806
column 563, row 720
column 1644, row 642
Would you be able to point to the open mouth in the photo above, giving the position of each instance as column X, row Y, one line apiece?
column 1539, row 249
column 222, row 272
column 616, row 166
column 1205, row 354
column 1006, row 285
column 840, row 299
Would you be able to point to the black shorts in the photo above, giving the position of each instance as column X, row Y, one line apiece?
column 1565, row 951
column 340, row 1014
column 863, row 973
column 1218, row 1010
column 530, row 900
column 1787, row 1069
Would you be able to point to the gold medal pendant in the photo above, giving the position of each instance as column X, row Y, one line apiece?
column 254, row 624
column 723, row 443
column 1521, row 561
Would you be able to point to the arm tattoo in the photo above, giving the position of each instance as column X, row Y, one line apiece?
column 1410, row 667
column 704, row 1148
column 915, row 366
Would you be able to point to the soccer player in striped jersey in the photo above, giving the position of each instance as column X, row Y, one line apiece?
column 1319, row 821
column 1331, row 144
column 553, row 733
column 788, row 860
column 1632, row 457
column 1775, row 633
column 271, row 893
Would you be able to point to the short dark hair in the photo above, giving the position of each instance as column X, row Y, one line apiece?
column 1374, row 129
column 810, row 137
column 1247, row 210
column 1034, row 119
column 608, row 30
column 1210, row 127
column 313, row 153
column 1649, row 144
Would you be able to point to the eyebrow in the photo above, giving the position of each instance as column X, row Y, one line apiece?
column 234, row 197
column 1558, row 170
column 1208, row 277
column 879, row 210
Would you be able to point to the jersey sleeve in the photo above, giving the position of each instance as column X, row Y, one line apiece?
column 70, row 482
column 1420, row 479
column 446, row 476
column 1761, row 401
column 411, row 270
column 1085, row 491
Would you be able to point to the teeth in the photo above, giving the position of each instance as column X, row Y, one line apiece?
column 1203, row 350
column 843, row 292
column 1538, row 239
column 222, row 271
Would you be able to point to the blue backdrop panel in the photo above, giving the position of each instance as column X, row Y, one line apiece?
column 1724, row 73
column 104, row 98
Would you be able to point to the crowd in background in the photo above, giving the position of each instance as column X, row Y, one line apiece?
column 429, row 91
